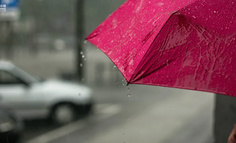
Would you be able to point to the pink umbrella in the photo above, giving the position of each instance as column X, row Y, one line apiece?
column 188, row 44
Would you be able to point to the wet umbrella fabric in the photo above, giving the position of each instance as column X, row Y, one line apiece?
column 188, row 44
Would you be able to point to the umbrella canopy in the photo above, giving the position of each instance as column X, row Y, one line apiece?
column 188, row 44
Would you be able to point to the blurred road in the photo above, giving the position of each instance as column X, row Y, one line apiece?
column 150, row 114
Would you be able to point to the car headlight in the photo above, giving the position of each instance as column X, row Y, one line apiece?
column 6, row 124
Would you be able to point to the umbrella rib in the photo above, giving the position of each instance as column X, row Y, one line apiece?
column 162, row 66
column 135, row 71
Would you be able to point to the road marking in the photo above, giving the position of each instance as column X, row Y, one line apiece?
column 108, row 111
column 101, row 111
column 62, row 131
column 99, row 107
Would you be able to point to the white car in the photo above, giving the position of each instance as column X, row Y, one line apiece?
column 33, row 98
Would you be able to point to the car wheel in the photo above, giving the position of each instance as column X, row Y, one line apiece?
column 63, row 114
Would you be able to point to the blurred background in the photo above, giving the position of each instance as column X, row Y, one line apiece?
column 46, row 38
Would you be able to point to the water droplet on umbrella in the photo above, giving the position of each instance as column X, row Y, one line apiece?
column 160, row 4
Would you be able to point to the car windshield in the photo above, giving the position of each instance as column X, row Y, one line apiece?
column 25, row 76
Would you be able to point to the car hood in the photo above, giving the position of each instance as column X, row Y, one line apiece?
column 64, row 87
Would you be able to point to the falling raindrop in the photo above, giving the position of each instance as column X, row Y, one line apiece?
column 81, row 65
column 129, row 95
column 123, row 82
column 85, row 41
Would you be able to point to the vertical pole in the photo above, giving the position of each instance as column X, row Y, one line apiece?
column 79, row 39
column 10, row 40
